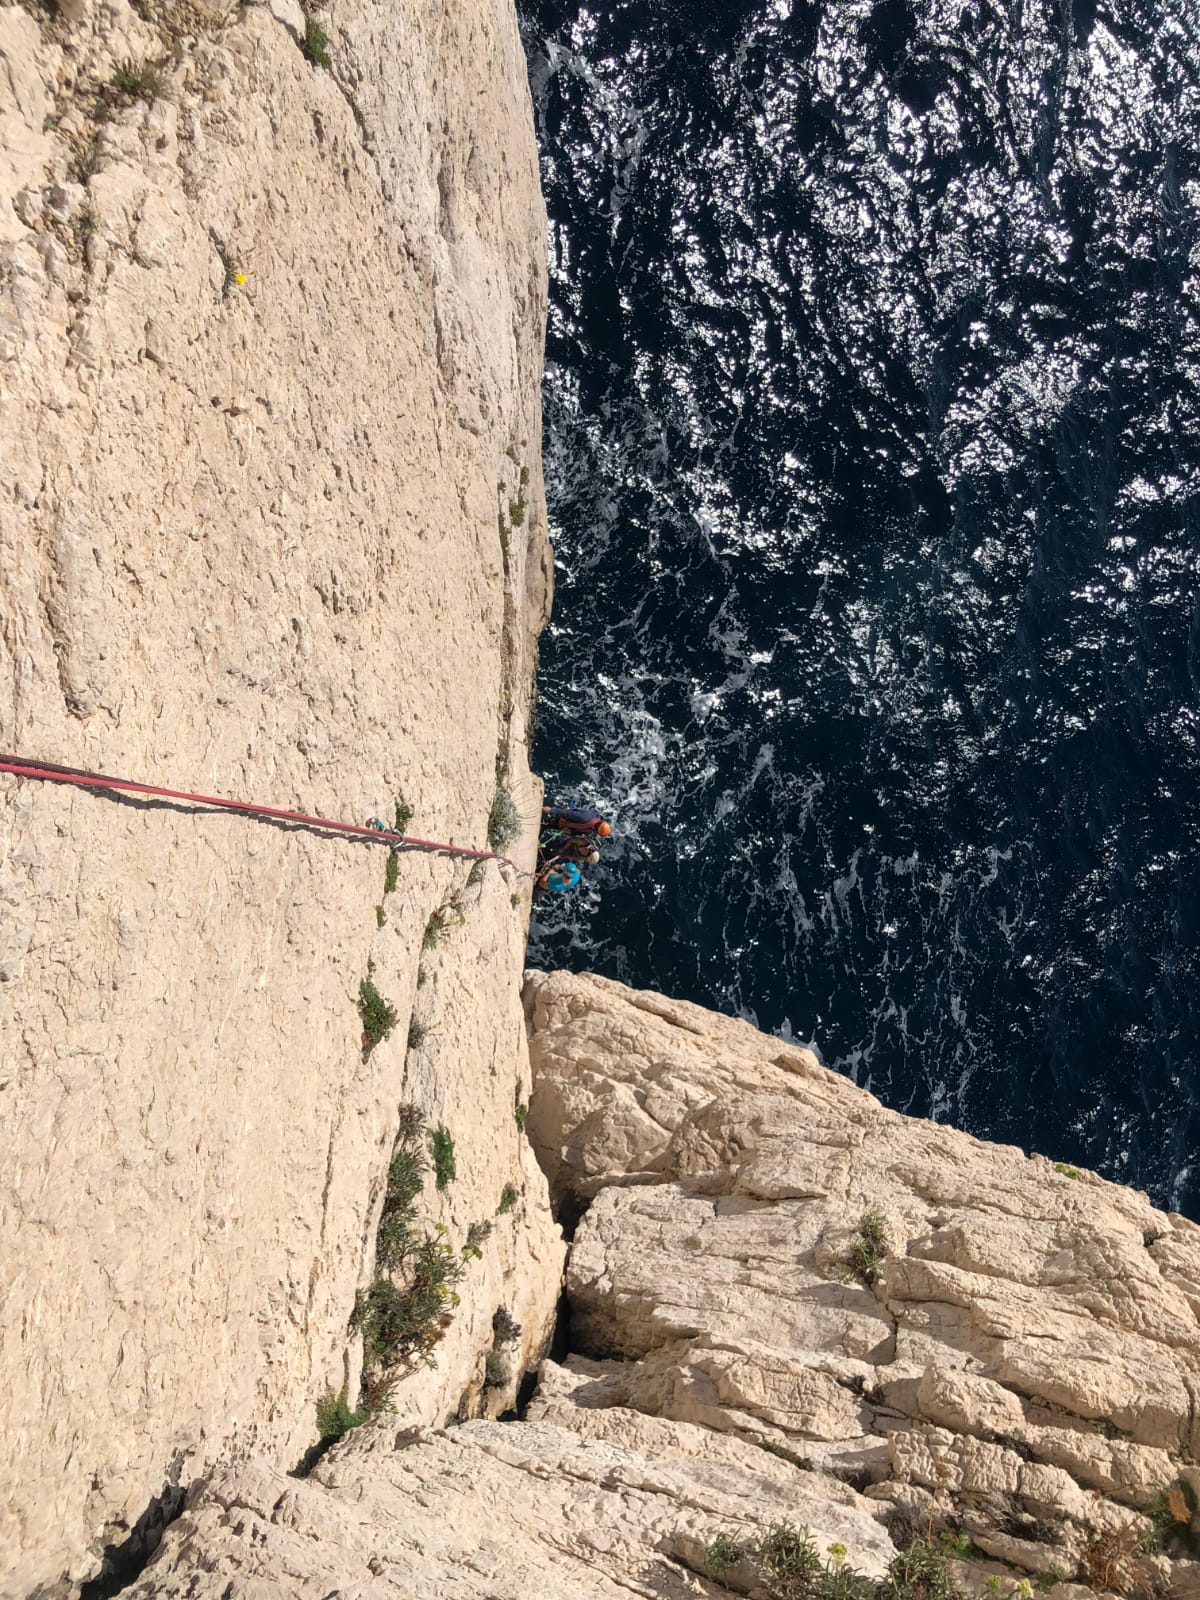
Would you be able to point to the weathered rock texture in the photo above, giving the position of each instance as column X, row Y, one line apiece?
column 1023, row 1361
column 1020, row 1365
column 270, row 526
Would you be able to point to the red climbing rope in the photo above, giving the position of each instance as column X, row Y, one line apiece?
column 97, row 780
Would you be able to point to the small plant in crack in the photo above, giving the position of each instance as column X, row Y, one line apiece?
column 504, row 820
column 137, row 80
column 315, row 43
column 521, row 1115
column 441, row 1149
column 868, row 1247
column 508, row 1199
column 378, row 1017
column 335, row 1417
column 476, row 874
column 404, row 815
column 391, row 873
column 505, row 1327
column 380, row 916
column 495, row 1370
column 418, row 1032
column 721, row 1553
column 477, row 1236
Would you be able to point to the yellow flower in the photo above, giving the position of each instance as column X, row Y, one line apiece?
column 239, row 277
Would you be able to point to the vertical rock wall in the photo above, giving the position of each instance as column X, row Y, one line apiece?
column 271, row 526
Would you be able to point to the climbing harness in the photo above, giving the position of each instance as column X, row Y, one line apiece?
column 21, row 768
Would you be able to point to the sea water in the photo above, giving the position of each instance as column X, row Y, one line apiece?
column 873, row 452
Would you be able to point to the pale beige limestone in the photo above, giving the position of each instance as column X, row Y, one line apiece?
column 1026, row 1358
column 599, row 1504
column 249, row 544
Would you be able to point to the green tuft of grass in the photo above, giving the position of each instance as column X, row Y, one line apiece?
column 391, row 873
column 521, row 1115
column 315, row 43
column 418, row 1032
column 508, row 1199
column 435, row 932
column 869, row 1247
column 378, row 1017
column 1065, row 1171
column 404, row 815
column 504, row 820
column 441, row 1148
column 720, row 1554
column 517, row 509
column 380, row 916
column 422, row 977
column 139, row 80
column 335, row 1418
column 476, row 874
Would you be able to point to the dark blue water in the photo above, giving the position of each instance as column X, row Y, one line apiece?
column 873, row 454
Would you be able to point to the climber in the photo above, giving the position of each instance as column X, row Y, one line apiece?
column 556, row 877
column 568, row 819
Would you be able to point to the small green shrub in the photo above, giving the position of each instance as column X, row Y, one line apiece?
column 919, row 1572
column 380, row 916
column 504, row 820
column 476, row 874
column 441, row 1148
column 720, row 1554
column 1047, row 1579
column 868, row 1247
column 435, row 932
column 401, row 1323
column 405, row 1180
column 334, row 1417
column 404, row 815
column 508, row 1199
column 378, row 1017
column 495, row 1370
column 418, row 1032
column 391, row 873
column 521, row 1115
column 788, row 1557
column 422, row 977
column 957, row 1546
column 505, row 1327
column 137, row 79
column 316, row 43
column 1065, row 1171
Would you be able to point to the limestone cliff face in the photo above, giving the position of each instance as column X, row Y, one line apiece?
column 786, row 1304
column 271, row 526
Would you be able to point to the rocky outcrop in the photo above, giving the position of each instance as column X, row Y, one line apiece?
column 271, row 526
column 971, row 1335
column 787, row 1305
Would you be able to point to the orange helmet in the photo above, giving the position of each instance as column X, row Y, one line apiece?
column 604, row 830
